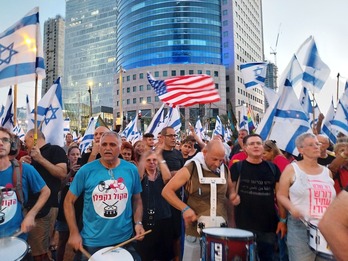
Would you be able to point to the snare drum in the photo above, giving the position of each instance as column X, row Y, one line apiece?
column 317, row 242
column 228, row 244
column 117, row 254
column 13, row 248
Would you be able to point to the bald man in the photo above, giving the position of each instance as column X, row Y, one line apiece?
column 199, row 174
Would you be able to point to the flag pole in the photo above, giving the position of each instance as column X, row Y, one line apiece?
column 338, row 86
column 35, row 110
column 15, row 105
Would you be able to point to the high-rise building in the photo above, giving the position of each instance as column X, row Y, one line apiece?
column 53, row 47
column 167, row 38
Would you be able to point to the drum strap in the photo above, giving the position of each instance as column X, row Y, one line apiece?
column 17, row 180
column 213, row 188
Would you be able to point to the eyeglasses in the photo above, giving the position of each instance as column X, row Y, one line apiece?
column 171, row 135
column 5, row 140
column 257, row 143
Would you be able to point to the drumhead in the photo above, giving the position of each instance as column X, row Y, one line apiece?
column 228, row 232
column 12, row 248
column 117, row 254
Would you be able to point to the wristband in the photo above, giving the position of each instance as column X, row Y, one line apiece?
column 163, row 161
column 186, row 208
column 283, row 220
column 139, row 223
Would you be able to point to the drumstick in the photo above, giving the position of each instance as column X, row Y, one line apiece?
column 18, row 233
column 85, row 252
column 128, row 241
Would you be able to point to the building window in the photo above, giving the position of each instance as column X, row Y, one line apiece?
column 173, row 73
column 182, row 72
column 191, row 72
column 216, row 74
column 199, row 72
column 216, row 86
column 148, row 87
column 134, row 100
column 134, row 88
column 128, row 101
column 165, row 73
column 134, row 76
column 156, row 99
column 141, row 88
column 208, row 72
column 148, row 99
column 128, row 89
column 128, row 78
column 141, row 99
column 141, row 76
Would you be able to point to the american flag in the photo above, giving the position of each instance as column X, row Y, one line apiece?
column 185, row 90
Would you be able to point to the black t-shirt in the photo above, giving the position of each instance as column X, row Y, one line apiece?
column 256, row 210
column 54, row 154
column 174, row 159
column 326, row 161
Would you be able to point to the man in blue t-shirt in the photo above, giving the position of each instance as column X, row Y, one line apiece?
column 12, row 218
column 111, row 188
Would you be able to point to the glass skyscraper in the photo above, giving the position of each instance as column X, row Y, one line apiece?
column 154, row 32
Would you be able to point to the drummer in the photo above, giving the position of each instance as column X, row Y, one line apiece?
column 305, row 190
column 12, row 218
column 111, row 188
column 198, row 212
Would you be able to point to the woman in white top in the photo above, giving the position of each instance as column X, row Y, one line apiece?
column 305, row 190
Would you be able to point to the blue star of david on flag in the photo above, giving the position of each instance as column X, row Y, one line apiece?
column 6, row 53
column 254, row 74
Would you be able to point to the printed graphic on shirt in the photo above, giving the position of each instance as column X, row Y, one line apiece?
column 8, row 199
column 320, row 198
column 110, row 198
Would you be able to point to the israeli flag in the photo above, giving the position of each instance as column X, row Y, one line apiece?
column 285, row 121
column 199, row 128
column 312, row 110
column 327, row 128
column 243, row 125
column 315, row 71
column 7, row 116
column 340, row 121
column 87, row 139
column 254, row 74
column 292, row 73
column 156, row 122
column 174, row 120
column 219, row 128
column 50, row 115
column 21, row 55
column 66, row 126
column 131, row 129
column 18, row 131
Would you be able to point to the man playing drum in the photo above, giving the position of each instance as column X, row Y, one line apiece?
column 111, row 188
column 12, row 216
column 208, row 185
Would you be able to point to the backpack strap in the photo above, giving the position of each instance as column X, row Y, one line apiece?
column 17, row 180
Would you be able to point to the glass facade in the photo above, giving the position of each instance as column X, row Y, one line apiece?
column 154, row 32
column 90, row 51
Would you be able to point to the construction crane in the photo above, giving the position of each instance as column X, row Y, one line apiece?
column 274, row 50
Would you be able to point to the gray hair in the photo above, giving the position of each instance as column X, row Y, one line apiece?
column 115, row 134
column 300, row 139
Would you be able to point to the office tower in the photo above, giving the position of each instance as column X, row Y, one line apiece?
column 53, row 47
column 167, row 38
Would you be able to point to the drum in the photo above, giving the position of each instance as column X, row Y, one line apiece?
column 228, row 244
column 117, row 254
column 317, row 242
column 13, row 248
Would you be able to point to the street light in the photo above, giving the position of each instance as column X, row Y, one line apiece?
column 144, row 102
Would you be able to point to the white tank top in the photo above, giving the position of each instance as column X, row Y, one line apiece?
column 312, row 194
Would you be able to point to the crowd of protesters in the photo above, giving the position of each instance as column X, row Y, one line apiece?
column 76, row 201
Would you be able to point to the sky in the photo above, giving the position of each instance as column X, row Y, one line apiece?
column 295, row 21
